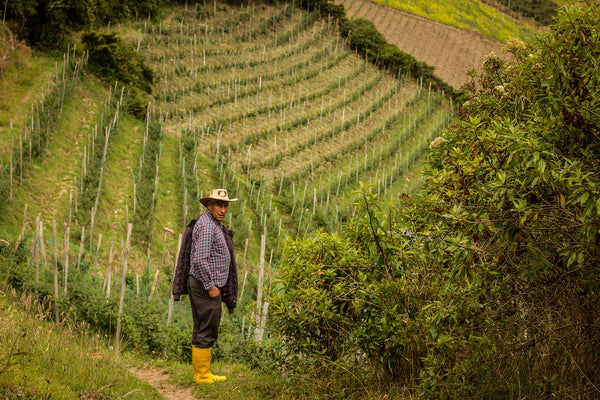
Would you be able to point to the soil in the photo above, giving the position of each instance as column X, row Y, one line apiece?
column 159, row 379
column 450, row 50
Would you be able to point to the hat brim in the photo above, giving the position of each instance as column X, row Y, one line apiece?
column 204, row 201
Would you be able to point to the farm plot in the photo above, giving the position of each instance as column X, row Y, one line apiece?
column 450, row 50
column 272, row 106
column 266, row 102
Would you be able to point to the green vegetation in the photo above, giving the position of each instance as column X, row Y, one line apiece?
column 29, row 144
column 50, row 24
column 484, row 286
column 40, row 360
column 542, row 11
column 477, row 281
column 113, row 60
column 467, row 14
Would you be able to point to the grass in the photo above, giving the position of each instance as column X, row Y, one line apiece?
column 246, row 383
column 20, row 86
column 467, row 14
column 168, row 213
column 48, row 180
column 116, row 199
column 42, row 360
column 346, row 100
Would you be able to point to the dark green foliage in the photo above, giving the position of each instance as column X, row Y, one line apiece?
column 363, row 36
column 395, row 58
column 345, row 300
column 49, row 24
column 137, row 102
column 486, row 286
column 543, row 11
column 113, row 60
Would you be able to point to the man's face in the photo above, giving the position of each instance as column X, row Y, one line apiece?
column 218, row 209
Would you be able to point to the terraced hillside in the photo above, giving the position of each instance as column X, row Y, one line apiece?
column 280, row 113
column 451, row 51
column 264, row 100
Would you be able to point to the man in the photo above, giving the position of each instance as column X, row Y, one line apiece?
column 212, row 279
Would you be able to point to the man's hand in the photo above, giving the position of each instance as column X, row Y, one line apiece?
column 214, row 292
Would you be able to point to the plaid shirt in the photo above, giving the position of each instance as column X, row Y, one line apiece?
column 210, row 258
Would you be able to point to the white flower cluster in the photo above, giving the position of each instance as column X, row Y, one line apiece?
column 436, row 142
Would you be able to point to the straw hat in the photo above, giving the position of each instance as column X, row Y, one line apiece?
column 216, row 194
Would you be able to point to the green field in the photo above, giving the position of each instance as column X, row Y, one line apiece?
column 262, row 100
column 467, row 14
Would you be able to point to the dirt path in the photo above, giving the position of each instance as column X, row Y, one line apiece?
column 159, row 380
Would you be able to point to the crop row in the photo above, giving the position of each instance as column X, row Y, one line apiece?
column 38, row 125
column 288, row 126
column 364, row 137
column 202, row 96
column 360, row 166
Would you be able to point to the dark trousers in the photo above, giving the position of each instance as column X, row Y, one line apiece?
column 206, row 313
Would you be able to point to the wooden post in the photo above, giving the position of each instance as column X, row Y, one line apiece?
column 171, row 300
column 81, row 244
column 42, row 246
column 243, row 286
column 96, row 258
column 55, row 261
column 137, row 277
column 123, row 281
column 66, row 256
column 35, row 257
column 12, row 145
column 263, row 321
column 259, row 288
column 92, row 232
column 111, row 256
column 154, row 284
column 18, row 242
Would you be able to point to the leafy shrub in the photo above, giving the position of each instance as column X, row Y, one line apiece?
column 513, row 185
column 395, row 58
column 137, row 103
column 543, row 11
column 49, row 24
column 113, row 60
column 364, row 37
column 486, row 285
column 343, row 299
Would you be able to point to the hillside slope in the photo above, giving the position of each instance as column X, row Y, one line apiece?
column 451, row 51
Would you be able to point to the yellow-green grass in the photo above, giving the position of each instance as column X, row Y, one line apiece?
column 49, row 180
column 116, row 197
column 467, row 14
column 20, row 87
column 42, row 360
column 169, row 198
column 245, row 383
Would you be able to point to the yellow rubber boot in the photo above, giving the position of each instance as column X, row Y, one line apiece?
column 201, row 364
